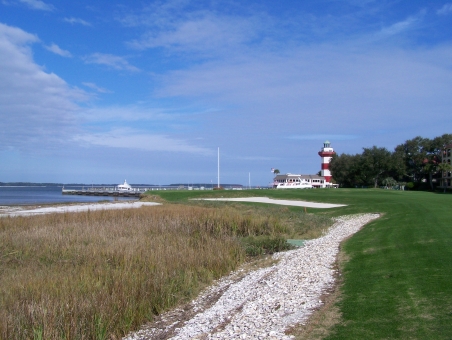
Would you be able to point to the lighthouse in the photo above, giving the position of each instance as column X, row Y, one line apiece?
column 326, row 153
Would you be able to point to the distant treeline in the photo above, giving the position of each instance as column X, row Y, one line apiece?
column 416, row 163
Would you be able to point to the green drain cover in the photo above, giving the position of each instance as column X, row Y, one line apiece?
column 296, row 243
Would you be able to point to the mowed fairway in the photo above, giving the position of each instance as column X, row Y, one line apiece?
column 398, row 281
column 398, row 277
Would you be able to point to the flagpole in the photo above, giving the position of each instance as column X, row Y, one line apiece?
column 218, row 168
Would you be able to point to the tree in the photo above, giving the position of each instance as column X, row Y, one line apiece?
column 345, row 170
column 420, row 157
column 411, row 155
column 376, row 162
column 444, row 168
column 276, row 171
column 434, row 149
column 389, row 182
column 413, row 161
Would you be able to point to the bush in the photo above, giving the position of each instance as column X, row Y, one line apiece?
column 410, row 185
column 261, row 245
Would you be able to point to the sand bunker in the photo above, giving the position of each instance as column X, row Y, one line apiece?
column 280, row 202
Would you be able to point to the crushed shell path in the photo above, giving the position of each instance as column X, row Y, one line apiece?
column 268, row 301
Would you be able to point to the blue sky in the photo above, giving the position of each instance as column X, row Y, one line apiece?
column 100, row 91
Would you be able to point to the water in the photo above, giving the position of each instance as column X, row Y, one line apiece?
column 24, row 195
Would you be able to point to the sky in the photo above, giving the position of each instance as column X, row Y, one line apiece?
column 149, row 91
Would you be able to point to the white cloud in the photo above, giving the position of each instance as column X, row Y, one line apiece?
column 126, row 113
column 322, row 137
column 445, row 10
column 115, row 62
column 36, row 108
column 38, row 4
column 96, row 88
column 77, row 21
column 400, row 27
column 39, row 111
column 136, row 140
column 319, row 90
column 54, row 48
column 201, row 34
column 181, row 26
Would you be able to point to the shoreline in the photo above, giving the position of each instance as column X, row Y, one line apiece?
column 35, row 209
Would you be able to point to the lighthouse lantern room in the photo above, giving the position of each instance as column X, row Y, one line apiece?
column 326, row 153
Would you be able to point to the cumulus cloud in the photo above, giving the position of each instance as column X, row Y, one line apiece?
column 39, row 110
column 35, row 107
column 115, row 62
column 54, row 48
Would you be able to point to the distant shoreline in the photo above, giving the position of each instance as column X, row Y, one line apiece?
column 14, row 211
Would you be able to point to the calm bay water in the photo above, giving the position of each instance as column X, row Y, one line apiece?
column 24, row 195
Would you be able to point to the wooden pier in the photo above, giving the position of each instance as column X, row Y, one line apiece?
column 103, row 192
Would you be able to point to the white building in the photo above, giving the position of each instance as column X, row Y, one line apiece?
column 296, row 181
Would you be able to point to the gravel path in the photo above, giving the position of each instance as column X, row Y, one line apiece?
column 266, row 302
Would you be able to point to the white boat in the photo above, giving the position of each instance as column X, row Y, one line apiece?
column 124, row 187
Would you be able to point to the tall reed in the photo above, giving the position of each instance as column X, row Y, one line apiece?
column 100, row 274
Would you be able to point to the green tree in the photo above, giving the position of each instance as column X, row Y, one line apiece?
column 376, row 163
column 411, row 156
column 345, row 170
column 444, row 168
column 389, row 182
column 433, row 162
column 420, row 157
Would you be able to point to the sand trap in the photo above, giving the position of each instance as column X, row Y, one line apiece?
column 273, row 201
column 13, row 211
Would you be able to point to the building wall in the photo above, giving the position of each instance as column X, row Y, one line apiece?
column 447, row 175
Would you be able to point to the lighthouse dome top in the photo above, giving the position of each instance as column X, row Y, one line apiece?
column 326, row 144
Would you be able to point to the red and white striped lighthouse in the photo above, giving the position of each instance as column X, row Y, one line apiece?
column 326, row 153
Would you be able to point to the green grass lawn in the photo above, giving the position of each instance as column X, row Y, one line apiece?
column 398, row 279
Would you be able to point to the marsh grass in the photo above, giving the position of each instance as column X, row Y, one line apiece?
column 101, row 274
